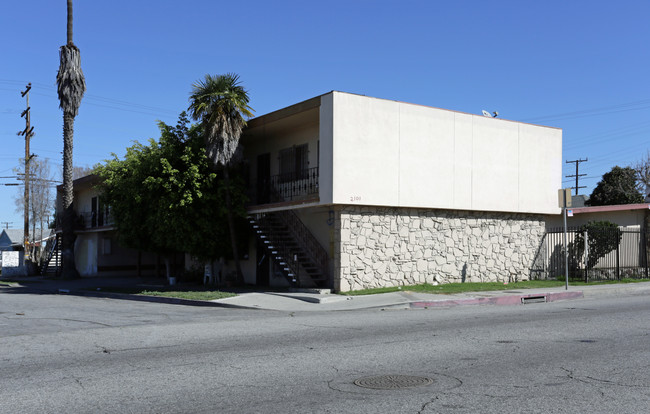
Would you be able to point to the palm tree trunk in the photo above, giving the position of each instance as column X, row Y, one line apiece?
column 69, row 31
column 231, row 225
column 68, row 268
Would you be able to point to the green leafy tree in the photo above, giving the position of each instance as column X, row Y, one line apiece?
column 220, row 103
column 71, row 86
column 165, row 198
column 602, row 238
column 617, row 187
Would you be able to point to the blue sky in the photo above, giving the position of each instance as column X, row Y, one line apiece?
column 582, row 66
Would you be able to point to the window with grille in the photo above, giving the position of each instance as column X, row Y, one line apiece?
column 294, row 163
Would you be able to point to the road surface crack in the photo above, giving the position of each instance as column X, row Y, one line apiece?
column 424, row 406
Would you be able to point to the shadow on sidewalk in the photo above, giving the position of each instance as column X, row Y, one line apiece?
column 122, row 288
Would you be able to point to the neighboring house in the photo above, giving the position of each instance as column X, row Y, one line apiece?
column 625, row 215
column 11, row 239
column 97, row 252
column 629, row 259
column 11, row 242
column 354, row 192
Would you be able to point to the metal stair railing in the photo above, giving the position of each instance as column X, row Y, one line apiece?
column 52, row 247
column 305, row 239
column 281, row 252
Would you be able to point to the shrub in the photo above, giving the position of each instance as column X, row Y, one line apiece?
column 603, row 237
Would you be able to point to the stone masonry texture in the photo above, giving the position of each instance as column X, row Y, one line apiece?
column 380, row 246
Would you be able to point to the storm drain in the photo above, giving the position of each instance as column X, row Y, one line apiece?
column 392, row 382
column 533, row 299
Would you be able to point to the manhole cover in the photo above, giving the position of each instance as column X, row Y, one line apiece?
column 391, row 382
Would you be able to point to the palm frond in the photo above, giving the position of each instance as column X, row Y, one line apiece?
column 221, row 104
column 70, row 80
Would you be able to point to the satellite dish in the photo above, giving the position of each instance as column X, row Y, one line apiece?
column 490, row 115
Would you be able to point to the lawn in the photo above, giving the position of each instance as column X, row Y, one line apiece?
column 451, row 288
column 184, row 293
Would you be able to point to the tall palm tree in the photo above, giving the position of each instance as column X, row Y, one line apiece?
column 71, row 86
column 220, row 103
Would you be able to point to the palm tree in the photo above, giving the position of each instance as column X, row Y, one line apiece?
column 220, row 103
column 71, row 86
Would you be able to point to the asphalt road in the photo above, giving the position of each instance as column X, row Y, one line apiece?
column 63, row 354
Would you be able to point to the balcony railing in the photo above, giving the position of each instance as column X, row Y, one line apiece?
column 88, row 220
column 287, row 187
column 91, row 219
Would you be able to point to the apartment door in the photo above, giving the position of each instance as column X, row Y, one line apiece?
column 264, row 178
column 93, row 212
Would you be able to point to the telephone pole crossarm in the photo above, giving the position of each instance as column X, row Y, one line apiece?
column 576, row 175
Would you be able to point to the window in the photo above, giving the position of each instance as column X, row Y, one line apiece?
column 294, row 163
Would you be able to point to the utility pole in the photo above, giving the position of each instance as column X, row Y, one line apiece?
column 28, row 132
column 576, row 175
column 7, row 223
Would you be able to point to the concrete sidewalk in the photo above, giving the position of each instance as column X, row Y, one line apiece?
column 406, row 300
column 302, row 301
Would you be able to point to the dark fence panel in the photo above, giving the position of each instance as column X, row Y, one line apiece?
column 607, row 254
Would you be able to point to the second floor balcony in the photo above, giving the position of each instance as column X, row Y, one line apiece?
column 294, row 186
column 88, row 220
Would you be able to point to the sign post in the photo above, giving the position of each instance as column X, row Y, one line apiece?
column 564, row 201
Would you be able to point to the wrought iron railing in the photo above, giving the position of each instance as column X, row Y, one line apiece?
column 274, row 239
column 89, row 220
column 293, row 246
column 301, row 234
column 92, row 219
column 287, row 187
column 51, row 248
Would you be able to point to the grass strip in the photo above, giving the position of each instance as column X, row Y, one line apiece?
column 451, row 288
column 192, row 295
column 179, row 294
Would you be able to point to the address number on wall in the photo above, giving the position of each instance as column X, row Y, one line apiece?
column 355, row 198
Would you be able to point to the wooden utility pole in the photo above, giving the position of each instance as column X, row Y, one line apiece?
column 28, row 132
column 576, row 175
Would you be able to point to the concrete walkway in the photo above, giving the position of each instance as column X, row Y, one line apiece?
column 302, row 301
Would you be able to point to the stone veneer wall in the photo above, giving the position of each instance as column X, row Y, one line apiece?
column 379, row 246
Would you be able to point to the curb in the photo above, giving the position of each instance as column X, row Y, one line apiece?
column 500, row 300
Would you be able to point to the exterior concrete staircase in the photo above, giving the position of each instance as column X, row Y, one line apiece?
column 52, row 262
column 293, row 248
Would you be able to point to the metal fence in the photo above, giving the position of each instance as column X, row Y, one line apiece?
column 604, row 254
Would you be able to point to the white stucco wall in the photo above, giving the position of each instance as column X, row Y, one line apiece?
column 388, row 153
column 86, row 254
column 325, row 161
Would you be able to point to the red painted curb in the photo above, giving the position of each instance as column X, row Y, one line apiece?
column 497, row 300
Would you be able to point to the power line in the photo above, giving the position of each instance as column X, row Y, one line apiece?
column 628, row 106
